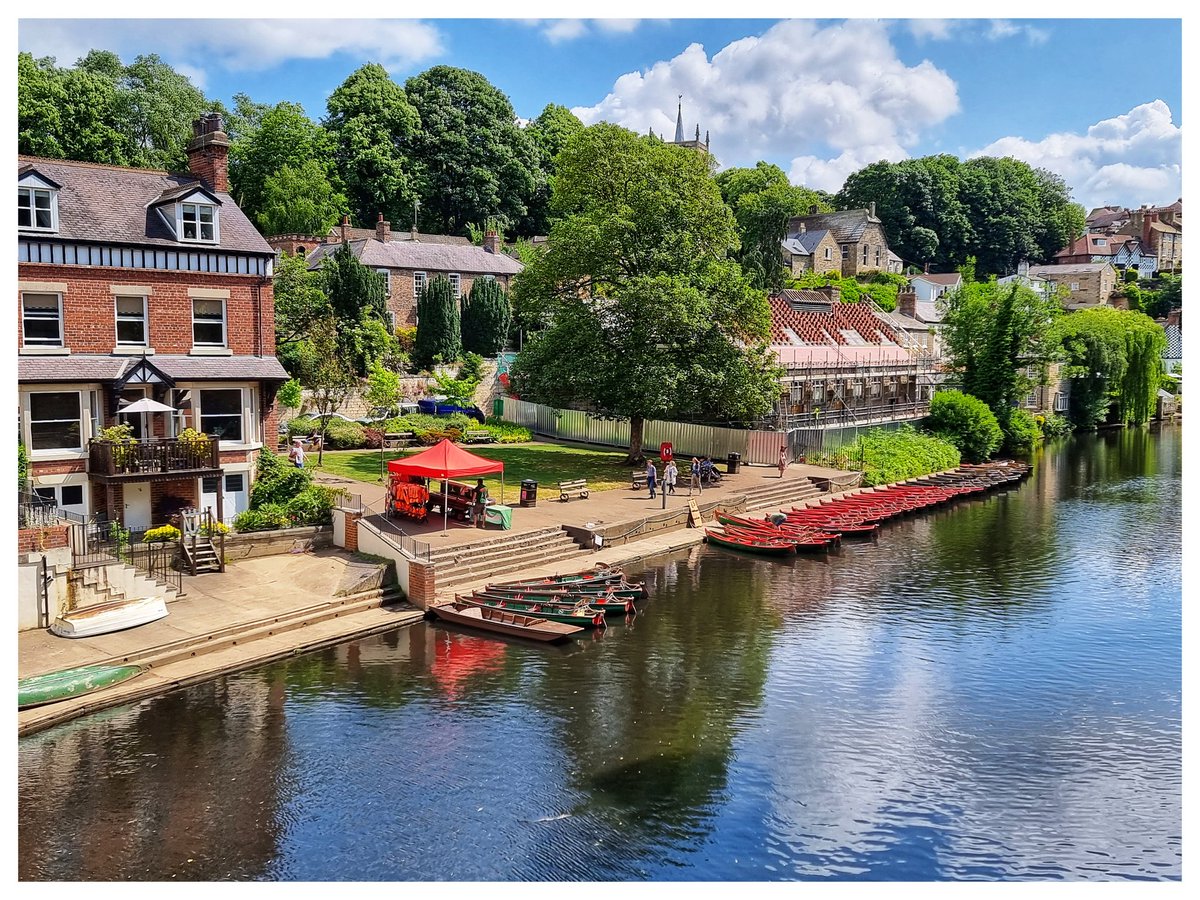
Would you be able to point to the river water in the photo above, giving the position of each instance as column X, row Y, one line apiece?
column 990, row 691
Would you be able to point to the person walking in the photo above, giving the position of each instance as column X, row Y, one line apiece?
column 296, row 454
column 783, row 460
column 651, row 476
column 695, row 481
column 670, row 476
column 481, row 498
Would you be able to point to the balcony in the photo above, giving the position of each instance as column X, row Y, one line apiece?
column 157, row 460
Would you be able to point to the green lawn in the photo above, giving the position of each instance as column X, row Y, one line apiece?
column 547, row 464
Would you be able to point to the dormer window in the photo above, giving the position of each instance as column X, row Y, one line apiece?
column 37, row 209
column 198, row 222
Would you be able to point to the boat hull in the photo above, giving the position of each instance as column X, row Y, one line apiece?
column 55, row 686
column 587, row 617
column 108, row 617
column 500, row 621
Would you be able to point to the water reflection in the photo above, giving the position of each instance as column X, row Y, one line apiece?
column 986, row 691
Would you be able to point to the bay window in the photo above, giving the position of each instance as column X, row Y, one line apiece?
column 221, row 414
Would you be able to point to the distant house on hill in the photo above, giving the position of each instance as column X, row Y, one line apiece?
column 929, row 287
column 862, row 243
column 1089, row 284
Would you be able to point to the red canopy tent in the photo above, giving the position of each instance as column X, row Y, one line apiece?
column 445, row 460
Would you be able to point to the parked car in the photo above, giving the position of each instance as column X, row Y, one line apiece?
column 436, row 406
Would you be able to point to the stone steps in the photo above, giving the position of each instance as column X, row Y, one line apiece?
column 788, row 492
column 512, row 563
column 500, row 543
column 246, row 632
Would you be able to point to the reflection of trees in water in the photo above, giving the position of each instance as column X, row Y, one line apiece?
column 160, row 790
column 652, row 722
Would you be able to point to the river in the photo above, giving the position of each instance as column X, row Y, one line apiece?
column 990, row 691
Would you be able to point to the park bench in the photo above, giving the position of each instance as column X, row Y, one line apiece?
column 398, row 439
column 477, row 436
column 567, row 489
column 639, row 481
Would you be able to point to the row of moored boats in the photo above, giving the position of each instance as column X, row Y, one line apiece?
column 547, row 609
column 818, row 528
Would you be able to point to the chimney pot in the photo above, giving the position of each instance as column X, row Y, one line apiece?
column 491, row 241
column 871, row 208
column 383, row 230
column 208, row 152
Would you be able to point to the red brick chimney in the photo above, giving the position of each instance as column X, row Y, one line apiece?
column 906, row 302
column 926, row 268
column 491, row 241
column 345, row 229
column 1174, row 316
column 383, row 230
column 208, row 152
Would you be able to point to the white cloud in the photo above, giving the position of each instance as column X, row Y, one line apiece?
column 1128, row 160
column 559, row 30
column 242, row 44
column 932, row 29
column 999, row 29
column 973, row 29
column 830, row 98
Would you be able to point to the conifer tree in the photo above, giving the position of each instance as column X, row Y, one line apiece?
column 486, row 315
column 439, row 327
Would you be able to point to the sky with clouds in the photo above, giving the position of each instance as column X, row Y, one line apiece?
column 1097, row 101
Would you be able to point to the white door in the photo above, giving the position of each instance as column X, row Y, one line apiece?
column 137, row 506
column 235, row 500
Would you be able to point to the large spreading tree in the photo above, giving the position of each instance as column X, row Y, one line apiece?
column 648, row 316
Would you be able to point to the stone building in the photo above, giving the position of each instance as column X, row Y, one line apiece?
column 862, row 243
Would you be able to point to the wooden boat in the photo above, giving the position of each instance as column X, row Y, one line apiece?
column 749, row 542
column 54, row 686
column 583, row 616
column 502, row 621
column 583, row 581
column 610, row 604
column 594, row 596
column 106, row 617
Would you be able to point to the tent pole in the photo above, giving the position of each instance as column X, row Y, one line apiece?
column 445, row 509
column 501, row 487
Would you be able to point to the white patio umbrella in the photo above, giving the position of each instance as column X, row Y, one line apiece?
column 145, row 405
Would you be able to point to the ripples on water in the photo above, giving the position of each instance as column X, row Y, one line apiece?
column 990, row 691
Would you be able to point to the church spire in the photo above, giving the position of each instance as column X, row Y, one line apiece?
column 679, row 122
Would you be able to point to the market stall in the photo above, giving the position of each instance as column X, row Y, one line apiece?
column 408, row 480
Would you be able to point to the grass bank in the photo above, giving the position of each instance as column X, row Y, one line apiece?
column 887, row 456
column 547, row 464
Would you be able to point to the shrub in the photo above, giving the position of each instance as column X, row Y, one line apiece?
column 1056, row 426
column 277, row 482
column 406, row 338
column 507, row 432
column 264, row 518
column 1020, row 432
column 374, row 438
column 22, row 467
column 429, row 438
column 214, row 528
column 343, row 435
column 966, row 422
column 313, row 506
column 889, row 456
column 164, row 533
column 302, row 426
column 121, row 433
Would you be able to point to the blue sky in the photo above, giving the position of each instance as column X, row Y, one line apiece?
column 1098, row 101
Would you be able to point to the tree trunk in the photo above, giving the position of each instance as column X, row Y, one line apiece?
column 635, row 457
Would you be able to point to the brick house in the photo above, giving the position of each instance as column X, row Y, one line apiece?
column 408, row 265
column 1090, row 284
column 1161, row 234
column 1122, row 250
column 303, row 244
column 132, row 284
column 862, row 244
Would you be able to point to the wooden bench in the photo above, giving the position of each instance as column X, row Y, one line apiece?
column 399, row 439
column 639, row 481
column 567, row 489
column 477, row 436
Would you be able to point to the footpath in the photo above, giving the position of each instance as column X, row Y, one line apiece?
column 268, row 608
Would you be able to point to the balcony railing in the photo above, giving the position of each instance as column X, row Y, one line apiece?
column 106, row 458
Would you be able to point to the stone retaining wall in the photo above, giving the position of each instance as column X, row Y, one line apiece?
column 271, row 543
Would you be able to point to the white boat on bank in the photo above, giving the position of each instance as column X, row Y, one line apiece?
column 106, row 617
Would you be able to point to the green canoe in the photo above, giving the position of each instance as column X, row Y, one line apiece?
column 55, row 686
column 583, row 616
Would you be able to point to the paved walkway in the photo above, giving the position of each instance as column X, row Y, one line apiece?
column 600, row 508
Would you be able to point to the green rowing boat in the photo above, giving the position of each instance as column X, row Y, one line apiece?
column 583, row 616
column 54, row 686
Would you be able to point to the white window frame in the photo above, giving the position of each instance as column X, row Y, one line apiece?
column 878, row 257
column 866, row 253
column 845, row 251
column 828, row 253
column 387, row 279
column 1074, row 285
column 126, row 317
column 246, row 404
column 181, row 209
column 43, row 342
column 1062, row 402
column 456, row 285
column 31, row 191
column 420, row 279
column 85, row 422
column 224, row 322
column 1101, row 242
column 55, row 492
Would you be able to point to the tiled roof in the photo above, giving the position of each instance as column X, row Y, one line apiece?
column 1070, row 269
column 424, row 257
column 847, row 226
column 824, row 327
column 361, row 234
column 1164, row 227
column 111, row 203
column 803, row 243
column 953, row 279
column 1090, row 245
column 181, row 368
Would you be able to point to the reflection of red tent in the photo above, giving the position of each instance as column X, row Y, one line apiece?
column 461, row 656
column 445, row 460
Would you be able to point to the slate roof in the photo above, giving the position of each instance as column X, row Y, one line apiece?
column 367, row 234
column 419, row 256
column 116, row 204
column 803, row 243
column 953, row 279
column 1069, row 269
column 80, row 367
column 847, row 225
